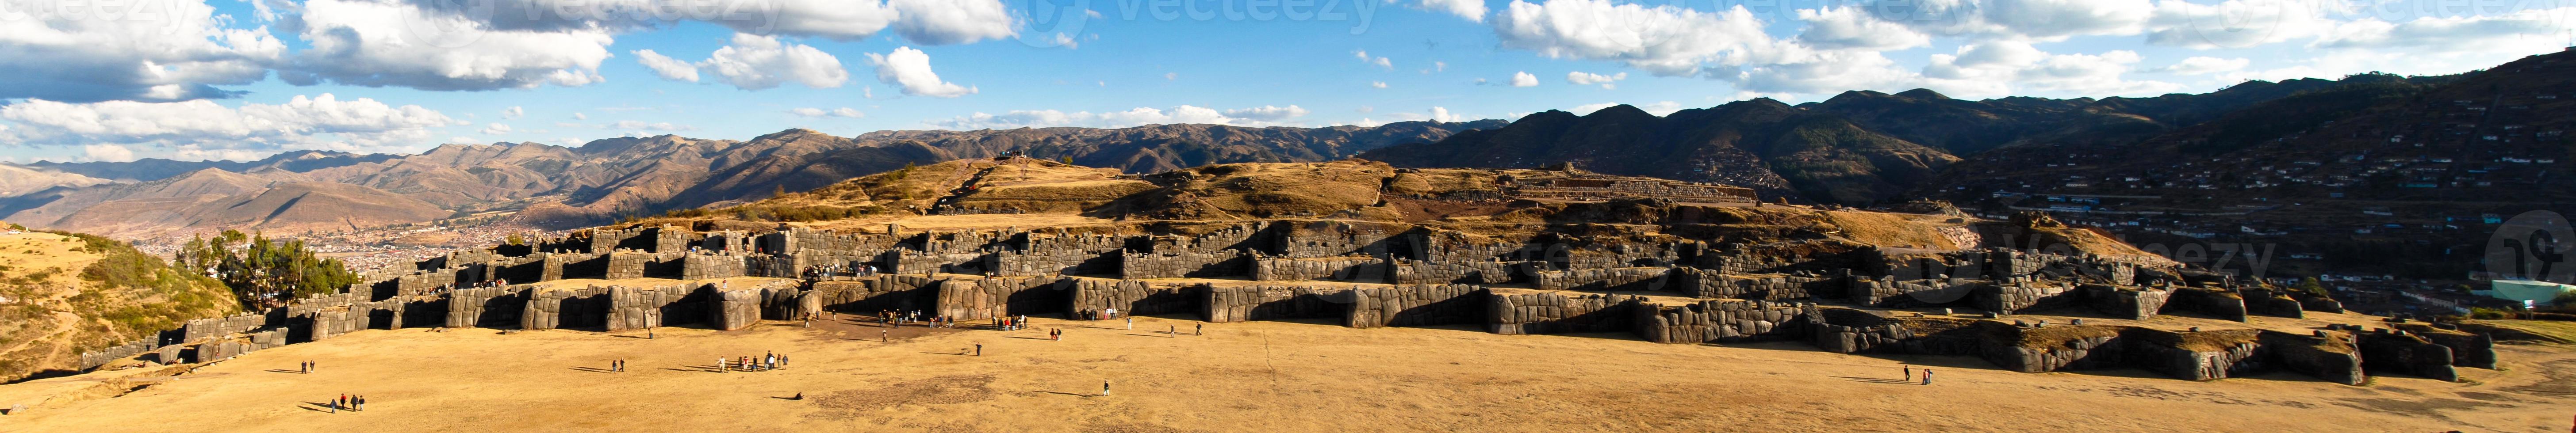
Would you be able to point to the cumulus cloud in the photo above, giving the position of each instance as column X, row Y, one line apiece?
column 909, row 69
column 1267, row 113
column 496, row 129
column 513, row 112
column 836, row 112
column 1849, row 28
column 107, row 153
column 1665, row 40
column 155, row 51
column 378, row 44
column 1472, row 10
column 666, row 67
column 1581, row 78
column 1524, row 79
column 1996, row 68
column 1377, row 84
column 1255, row 116
column 945, row 22
column 2019, row 19
column 757, row 62
column 1380, row 62
column 315, row 122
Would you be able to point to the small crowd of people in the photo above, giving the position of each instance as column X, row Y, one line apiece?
column 766, row 362
column 1101, row 314
column 349, row 402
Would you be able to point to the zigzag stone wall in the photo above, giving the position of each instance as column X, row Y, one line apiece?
column 1549, row 313
column 1265, row 302
column 1725, row 322
column 1418, row 305
column 1336, row 268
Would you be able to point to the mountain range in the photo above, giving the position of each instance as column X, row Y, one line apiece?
column 602, row 179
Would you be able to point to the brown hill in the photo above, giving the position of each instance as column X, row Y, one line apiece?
column 61, row 295
column 1761, row 143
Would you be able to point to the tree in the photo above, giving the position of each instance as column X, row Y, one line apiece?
column 264, row 273
column 2311, row 286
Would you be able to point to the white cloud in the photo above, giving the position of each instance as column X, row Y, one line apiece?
column 1581, row 78
column 1524, row 79
column 2238, row 23
column 2204, row 65
column 149, row 51
column 496, row 129
column 1997, row 68
column 1256, row 116
column 1381, row 62
column 1267, row 113
column 316, row 122
column 107, row 153
column 366, row 43
column 1664, row 40
column 1850, row 28
column 579, row 116
column 2046, row 20
column 1472, row 10
column 1171, row 76
column 909, row 69
column 946, row 22
column 638, row 125
column 836, row 112
column 1377, row 84
column 513, row 112
column 666, row 67
column 757, row 62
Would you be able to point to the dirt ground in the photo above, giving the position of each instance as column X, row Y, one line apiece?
column 1272, row 376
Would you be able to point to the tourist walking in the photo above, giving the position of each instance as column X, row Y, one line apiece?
column 1909, row 373
column 1131, row 323
column 1104, row 387
column 1201, row 330
column 979, row 349
column 721, row 367
column 1927, row 376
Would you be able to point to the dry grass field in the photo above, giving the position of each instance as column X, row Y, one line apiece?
column 1265, row 376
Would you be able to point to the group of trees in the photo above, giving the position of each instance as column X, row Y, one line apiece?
column 263, row 272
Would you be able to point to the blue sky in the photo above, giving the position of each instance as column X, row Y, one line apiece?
column 228, row 79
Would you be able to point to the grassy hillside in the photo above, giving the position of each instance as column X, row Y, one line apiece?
column 64, row 293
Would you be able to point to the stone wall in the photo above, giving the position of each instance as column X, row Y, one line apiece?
column 1339, row 268
column 1134, row 297
column 1550, row 313
column 1266, row 302
column 880, row 293
column 2124, row 303
column 1444, row 272
column 487, row 306
column 1725, row 322
column 2215, row 303
column 2208, row 355
column 1183, row 264
column 2055, row 348
column 1605, row 279
column 2024, row 294
column 2328, row 355
column 2385, row 351
column 2473, row 350
column 994, row 296
column 1417, row 305
column 1703, row 283
column 566, row 308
